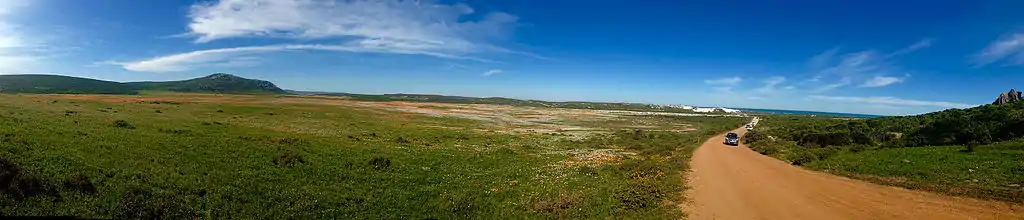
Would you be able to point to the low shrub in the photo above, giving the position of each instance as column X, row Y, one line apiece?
column 174, row 131
column 379, row 163
column 144, row 204
column 556, row 205
column 289, row 159
column 81, row 183
column 123, row 124
column 18, row 184
column 639, row 195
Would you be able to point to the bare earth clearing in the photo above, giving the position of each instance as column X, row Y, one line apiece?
column 512, row 119
column 730, row 182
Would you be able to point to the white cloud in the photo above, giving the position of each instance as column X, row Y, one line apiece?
column 879, row 81
column 247, row 56
column 429, row 28
column 825, row 87
column 922, row 44
column 775, row 80
column 455, row 66
column 831, row 70
column 723, row 89
column 770, row 85
column 729, row 81
column 9, row 36
column 492, row 72
column 16, row 49
column 1010, row 46
column 891, row 101
column 9, row 6
column 383, row 24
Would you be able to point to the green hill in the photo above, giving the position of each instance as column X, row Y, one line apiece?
column 61, row 85
column 965, row 152
column 56, row 84
column 216, row 83
column 973, row 126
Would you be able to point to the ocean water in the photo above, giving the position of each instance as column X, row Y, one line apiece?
column 795, row 112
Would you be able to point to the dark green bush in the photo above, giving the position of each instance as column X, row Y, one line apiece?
column 123, row 124
column 140, row 203
column 19, row 184
column 81, row 183
column 639, row 195
column 380, row 163
column 174, row 131
column 289, row 159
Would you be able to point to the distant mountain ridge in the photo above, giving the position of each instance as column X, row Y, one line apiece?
column 215, row 83
column 61, row 85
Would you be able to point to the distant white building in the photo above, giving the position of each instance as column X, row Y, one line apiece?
column 702, row 109
column 684, row 107
column 708, row 110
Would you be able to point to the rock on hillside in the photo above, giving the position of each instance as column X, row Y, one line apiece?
column 1008, row 97
column 259, row 85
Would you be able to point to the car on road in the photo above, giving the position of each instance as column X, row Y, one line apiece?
column 750, row 127
column 732, row 139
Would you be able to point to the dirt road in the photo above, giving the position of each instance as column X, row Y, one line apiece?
column 730, row 182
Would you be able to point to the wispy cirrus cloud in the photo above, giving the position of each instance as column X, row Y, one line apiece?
column 922, row 44
column 492, row 72
column 879, row 81
column 728, row 81
column 1009, row 48
column 724, row 85
column 10, row 6
column 13, row 47
column 407, row 24
column 772, row 85
column 832, row 69
column 247, row 57
column 891, row 101
column 429, row 28
column 17, row 49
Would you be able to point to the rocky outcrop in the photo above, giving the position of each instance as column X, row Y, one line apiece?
column 1008, row 97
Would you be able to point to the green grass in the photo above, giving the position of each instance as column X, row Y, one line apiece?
column 992, row 171
column 250, row 158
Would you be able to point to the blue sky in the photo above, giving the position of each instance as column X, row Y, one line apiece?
column 874, row 57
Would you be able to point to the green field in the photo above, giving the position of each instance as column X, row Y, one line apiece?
column 991, row 171
column 889, row 151
column 236, row 156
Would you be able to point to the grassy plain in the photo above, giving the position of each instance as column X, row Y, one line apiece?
column 991, row 171
column 171, row 155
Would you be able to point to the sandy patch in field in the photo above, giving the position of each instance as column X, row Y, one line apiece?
column 504, row 118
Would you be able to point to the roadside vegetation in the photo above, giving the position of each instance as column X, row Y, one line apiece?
column 968, row 152
column 165, row 156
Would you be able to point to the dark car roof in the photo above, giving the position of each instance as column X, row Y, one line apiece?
column 730, row 134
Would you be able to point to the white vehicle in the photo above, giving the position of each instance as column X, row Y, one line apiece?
column 750, row 127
